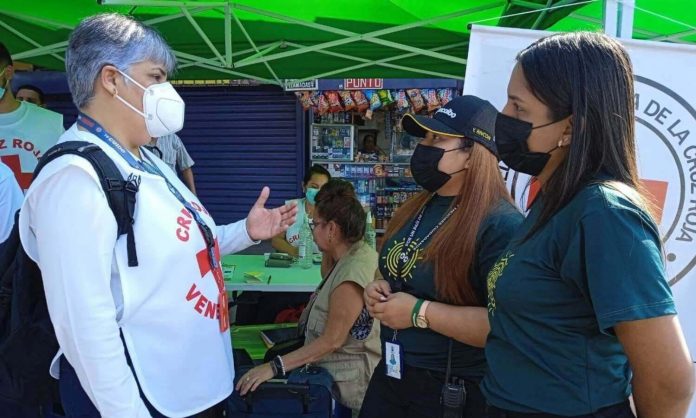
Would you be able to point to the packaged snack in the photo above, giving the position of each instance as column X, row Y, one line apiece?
column 402, row 102
column 431, row 99
column 305, row 99
column 373, row 97
column 348, row 102
column 445, row 95
column 314, row 95
column 416, row 99
column 334, row 101
column 360, row 100
column 385, row 97
column 322, row 104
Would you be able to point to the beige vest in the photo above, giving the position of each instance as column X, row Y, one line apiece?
column 351, row 365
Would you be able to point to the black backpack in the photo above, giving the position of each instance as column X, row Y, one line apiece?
column 27, row 339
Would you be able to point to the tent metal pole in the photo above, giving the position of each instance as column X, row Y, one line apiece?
column 253, row 45
column 674, row 36
column 203, row 63
column 618, row 18
column 163, row 3
column 228, row 35
column 44, row 50
column 368, row 37
column 27, row 39
column 385, row 63
column 167, row 18
column 214, row 61
column 37, row 20
column 202, row 34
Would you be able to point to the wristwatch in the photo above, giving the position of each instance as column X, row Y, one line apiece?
column 421, row 320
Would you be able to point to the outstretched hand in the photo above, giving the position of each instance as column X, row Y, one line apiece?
column 265, row 223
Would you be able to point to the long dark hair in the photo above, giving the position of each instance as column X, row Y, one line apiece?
column 482, row 189
column 589, row 76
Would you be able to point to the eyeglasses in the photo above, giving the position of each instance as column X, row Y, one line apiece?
column 313, row 224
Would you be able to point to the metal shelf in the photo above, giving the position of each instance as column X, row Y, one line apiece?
column 357, row 163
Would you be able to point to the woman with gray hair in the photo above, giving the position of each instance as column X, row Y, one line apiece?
column 150, row 340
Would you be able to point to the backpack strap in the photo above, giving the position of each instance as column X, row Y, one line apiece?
column 120, row 193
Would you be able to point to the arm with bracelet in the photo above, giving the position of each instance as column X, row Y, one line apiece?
column 346, row 304
column 403, row 310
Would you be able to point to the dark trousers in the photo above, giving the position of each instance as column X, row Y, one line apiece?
column 77, row 404
column 622, row 410
column 416, row 395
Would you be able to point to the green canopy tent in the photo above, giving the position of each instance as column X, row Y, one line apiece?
column 275, row 40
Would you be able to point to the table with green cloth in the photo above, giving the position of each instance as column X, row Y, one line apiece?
column 273, row 279
column 248, row 337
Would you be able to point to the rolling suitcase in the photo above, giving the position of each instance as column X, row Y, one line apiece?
column 305, row 394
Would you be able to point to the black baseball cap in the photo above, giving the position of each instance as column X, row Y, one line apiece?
column 464, row 116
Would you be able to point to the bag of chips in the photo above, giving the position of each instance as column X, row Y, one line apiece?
column 305, row 99
column 334, row 101
column 314, row 95
column 402, row 102
column 385, row 97
column 360, row 100
column 416, row 99
column 373, row 97
column 445, row 95
column 348, row 102
column 431, row 99
column 322, row 104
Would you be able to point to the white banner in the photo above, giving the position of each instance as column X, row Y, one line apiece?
column 666, row 138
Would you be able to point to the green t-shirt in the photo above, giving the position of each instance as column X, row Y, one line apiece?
column 425, row 348
column 554, row 299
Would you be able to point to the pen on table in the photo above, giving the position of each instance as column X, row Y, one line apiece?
column 269, row 279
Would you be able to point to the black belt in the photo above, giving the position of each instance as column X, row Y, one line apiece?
column 620, row 410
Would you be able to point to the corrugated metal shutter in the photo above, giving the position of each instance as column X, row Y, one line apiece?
column 63, row 104
column 240, row 141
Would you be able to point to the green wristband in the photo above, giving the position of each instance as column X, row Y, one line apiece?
column 416, row 309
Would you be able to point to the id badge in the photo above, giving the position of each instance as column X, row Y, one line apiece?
column 393, row 359
column 223, row 314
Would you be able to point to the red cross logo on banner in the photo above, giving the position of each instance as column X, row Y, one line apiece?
column 12, row 161
column 205, row 266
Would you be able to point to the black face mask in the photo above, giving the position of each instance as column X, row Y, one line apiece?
column 511, row 136
column 424, row 162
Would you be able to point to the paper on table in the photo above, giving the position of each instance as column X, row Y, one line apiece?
column 255, row 276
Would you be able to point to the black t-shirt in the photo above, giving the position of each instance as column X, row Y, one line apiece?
column 425, row 348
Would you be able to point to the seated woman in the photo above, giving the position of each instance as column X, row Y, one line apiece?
column 289, row 241
column 339, row 333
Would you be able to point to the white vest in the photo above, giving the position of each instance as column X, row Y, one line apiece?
column 182, row 361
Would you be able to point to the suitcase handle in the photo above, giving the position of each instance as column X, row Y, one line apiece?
column 297, row 388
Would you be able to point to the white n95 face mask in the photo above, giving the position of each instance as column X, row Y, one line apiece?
column 163, row 108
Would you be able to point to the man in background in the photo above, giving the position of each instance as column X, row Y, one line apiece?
column 26, row 131
column 31, row 94
column 174, row 153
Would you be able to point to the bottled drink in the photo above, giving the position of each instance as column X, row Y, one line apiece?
column 370, row 234
column 306, row 245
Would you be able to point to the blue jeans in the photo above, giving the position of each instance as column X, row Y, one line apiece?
column 341, row 411
column 11, row 409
